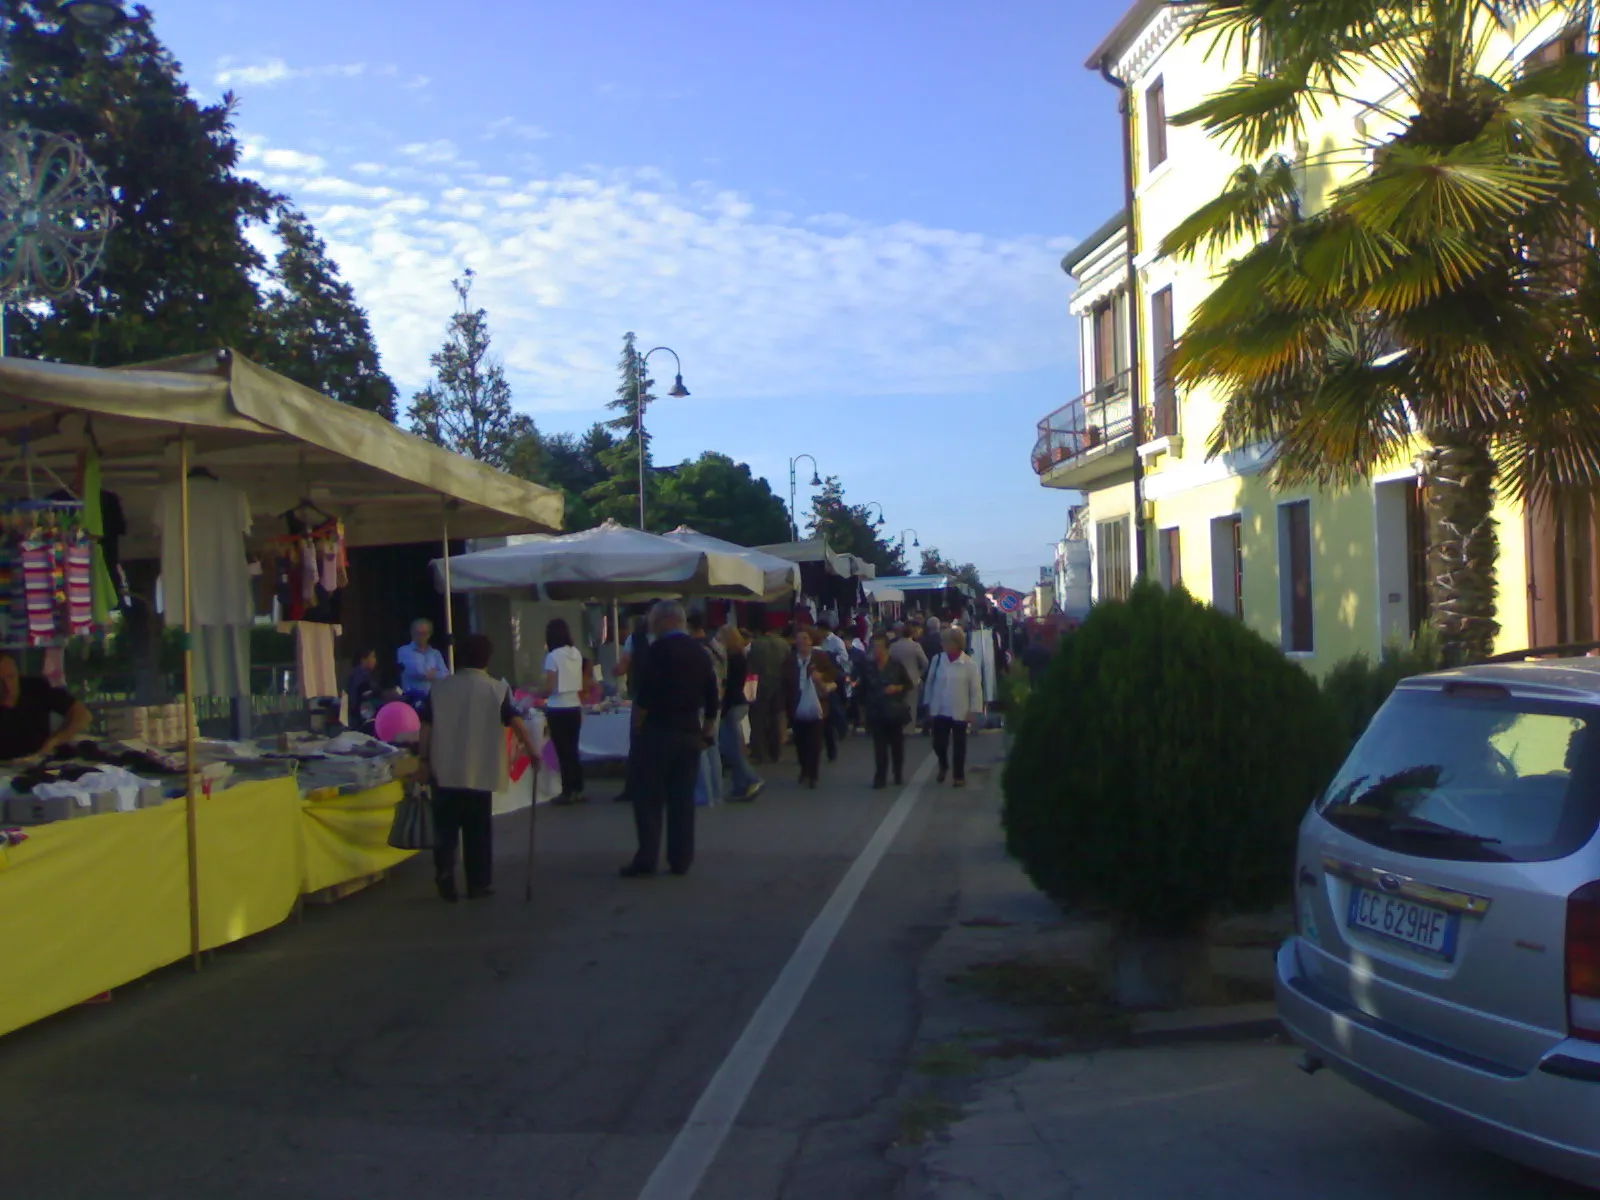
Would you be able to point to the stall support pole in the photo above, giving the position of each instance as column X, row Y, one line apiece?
column 449, row 600
column 190, row 733
column 616, row 644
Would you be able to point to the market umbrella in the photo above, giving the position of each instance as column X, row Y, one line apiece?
column 779, row 575
column 611, row 562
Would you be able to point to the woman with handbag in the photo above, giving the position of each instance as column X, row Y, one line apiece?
column 886, row 690
column 735, row 708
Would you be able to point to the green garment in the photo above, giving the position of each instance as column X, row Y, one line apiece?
column 105, row 591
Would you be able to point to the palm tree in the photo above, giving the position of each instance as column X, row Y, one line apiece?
column 1447, row 293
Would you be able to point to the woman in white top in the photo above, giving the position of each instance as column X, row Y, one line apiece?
column 563, row 708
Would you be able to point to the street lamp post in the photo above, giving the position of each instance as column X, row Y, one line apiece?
column 678, row 392
column 816, row 481
column 94, row 14
column 916, row 544
column 874, row 504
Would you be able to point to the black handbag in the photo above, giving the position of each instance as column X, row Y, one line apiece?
column 413, row 821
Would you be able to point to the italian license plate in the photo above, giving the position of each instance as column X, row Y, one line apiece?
column 1430, row 930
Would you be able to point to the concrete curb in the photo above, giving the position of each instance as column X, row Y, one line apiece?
column 1231, row 1022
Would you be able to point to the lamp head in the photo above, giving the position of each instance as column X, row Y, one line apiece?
column 816, row 480
column 916, row 543
column 678, row 390
column 93, row 14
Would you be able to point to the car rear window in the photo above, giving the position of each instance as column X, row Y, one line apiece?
column 1472, row 774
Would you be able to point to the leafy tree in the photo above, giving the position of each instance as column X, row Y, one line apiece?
column 467, row 407
column 1448, row 286
column 934, row 563
column 313, row 330
column 617, row 498
column 574, row 464
column 849, row 529
column 177, row 271
column 717, row 496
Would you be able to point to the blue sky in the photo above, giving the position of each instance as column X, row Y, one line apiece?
column 846, row 217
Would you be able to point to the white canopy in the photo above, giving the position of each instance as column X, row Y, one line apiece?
column 880, row 592
column 816, row 550
column 780, row 576
column 611, row 562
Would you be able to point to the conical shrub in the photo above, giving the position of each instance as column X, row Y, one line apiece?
column 1163, row 766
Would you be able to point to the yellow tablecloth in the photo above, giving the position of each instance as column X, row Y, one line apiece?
column 347, row 837
column 91, row 904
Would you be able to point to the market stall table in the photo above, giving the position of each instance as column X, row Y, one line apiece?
column 605, row 736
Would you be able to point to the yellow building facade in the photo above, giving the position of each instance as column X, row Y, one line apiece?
column 1325, row 574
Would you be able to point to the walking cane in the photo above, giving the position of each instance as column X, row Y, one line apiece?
column 533, row 809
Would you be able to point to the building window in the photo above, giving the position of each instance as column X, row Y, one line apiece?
column 1294, row 575
column 1227, row 565
column 1108, row 355
column 1155, row 120
column 1164, row 407
column 1113, row 565
column 1171, row 558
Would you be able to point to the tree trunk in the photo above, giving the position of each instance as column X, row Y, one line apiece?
column 1458, row 474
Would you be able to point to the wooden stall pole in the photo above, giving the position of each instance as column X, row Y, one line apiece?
column 449, row 602
column 190, row 732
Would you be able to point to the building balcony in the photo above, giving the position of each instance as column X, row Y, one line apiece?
column 1089, row 439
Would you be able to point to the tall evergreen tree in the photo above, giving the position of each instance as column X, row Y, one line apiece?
column 313, row 330
column 177, row 275
column 617, row 498
column 467, row 406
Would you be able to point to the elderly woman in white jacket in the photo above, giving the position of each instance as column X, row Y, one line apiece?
column 955, row 698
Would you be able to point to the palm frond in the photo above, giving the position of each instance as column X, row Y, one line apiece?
column 1255, row 114
column 1422, row 189
column 1254, row 198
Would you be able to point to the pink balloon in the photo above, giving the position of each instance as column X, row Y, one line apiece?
column 397, row 722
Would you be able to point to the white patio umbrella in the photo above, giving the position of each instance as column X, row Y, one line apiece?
column 779, row 575
column 611, row 562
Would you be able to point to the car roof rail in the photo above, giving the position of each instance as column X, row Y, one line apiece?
column 1568, row 650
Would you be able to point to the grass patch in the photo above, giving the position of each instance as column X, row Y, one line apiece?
column 1071, row 998
column 948, row 1059
column 924, row 1117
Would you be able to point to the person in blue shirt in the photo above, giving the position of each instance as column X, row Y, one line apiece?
column 421, row 665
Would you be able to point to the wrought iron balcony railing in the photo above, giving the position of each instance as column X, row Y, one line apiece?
column 1101, row 416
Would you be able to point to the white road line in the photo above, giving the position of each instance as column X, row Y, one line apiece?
column 677, row 1176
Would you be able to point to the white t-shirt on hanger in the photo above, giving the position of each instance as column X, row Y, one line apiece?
column 219, row 571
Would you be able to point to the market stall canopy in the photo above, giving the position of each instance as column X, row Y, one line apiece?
column 813, row 551
column 277, row 441
column 879, row 592
column 611, row 562
column 926, row 583
column 780, row 576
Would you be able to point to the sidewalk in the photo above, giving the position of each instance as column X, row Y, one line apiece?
column 1006, row 1108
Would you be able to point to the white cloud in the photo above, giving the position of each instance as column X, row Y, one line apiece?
column 511, row 127
column 441, row 151
column 292, row 160
column 274, row 71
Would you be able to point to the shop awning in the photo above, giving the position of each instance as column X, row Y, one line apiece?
column 879, row 592
column 926, row 583
column 813, row 551
column 780, row 576
column 611, row 562
column 278, row 441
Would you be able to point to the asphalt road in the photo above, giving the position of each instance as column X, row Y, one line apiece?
column 394, row 1046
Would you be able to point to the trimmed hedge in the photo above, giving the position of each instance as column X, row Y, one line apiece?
column 1162, row 769
column 1356, row 688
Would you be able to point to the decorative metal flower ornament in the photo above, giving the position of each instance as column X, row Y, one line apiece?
column 55, row 213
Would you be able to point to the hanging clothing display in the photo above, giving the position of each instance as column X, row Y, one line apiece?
column 314, row 656
column 310, row 571
column 221, row 660
column 102, row 518
column 219, row 575
column 46, row 573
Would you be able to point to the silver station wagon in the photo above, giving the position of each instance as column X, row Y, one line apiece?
column 1447, row 895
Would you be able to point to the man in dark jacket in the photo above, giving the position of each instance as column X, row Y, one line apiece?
column 765, row 661
column 679, row 701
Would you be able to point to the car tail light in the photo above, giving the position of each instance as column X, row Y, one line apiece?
column 1583, row 962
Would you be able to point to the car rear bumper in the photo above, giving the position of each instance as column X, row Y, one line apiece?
column 1545, row 1118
